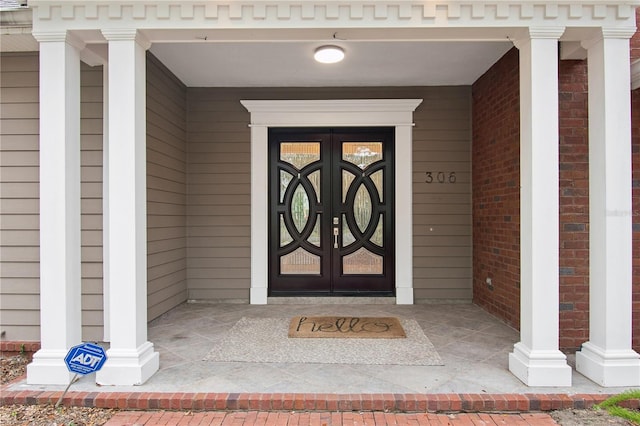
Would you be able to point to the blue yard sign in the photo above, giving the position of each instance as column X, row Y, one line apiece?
column 86, row 358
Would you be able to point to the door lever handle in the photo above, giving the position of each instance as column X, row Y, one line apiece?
column 336, row 232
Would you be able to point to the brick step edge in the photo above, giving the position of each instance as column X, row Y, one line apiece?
column 16, row 347
column 311, row 402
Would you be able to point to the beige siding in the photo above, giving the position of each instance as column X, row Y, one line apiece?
column 19, row 218
column 19, row 199
column 442, row 211
column 166, row 190
column 19, row 196
column 91, row 127
column 219, row 188
column 219, row 195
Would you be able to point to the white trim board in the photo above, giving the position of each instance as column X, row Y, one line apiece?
column 396, row 113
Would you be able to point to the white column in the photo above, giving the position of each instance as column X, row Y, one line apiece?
column 259, row 216
column 60, row 290
column 536, row 359
column 131, row 359
column 607, row 358
column 404, row 215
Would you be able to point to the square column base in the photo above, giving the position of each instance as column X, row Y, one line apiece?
column 539, row 368
column 404, row 296
column 608, row 368
column 48, row 368
column 258, row 296
column 129, row 367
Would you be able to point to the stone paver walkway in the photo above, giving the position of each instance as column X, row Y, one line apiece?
column 264, row 418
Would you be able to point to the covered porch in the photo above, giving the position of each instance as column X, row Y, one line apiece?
column 117, row 37
column 471, row 343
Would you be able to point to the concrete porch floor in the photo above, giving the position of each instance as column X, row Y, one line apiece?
column 473, row 345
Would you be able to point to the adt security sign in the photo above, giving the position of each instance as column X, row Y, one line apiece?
column 85, row 359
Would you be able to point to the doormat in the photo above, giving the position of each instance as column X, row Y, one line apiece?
column 265, row 340
column 346, row 328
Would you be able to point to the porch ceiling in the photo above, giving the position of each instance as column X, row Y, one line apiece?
column 291, row 63
column 280, row 63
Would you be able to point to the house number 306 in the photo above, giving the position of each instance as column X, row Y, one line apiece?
column 440, row 177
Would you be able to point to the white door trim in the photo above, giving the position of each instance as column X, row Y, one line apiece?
column 397, row 113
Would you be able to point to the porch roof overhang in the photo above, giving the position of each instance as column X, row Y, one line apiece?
column 206, row 26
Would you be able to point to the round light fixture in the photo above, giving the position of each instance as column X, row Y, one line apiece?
column 329, row 54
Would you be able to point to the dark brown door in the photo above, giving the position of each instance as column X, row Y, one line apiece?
column 331, row 211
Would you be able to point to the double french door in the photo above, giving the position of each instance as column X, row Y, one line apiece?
column 331, row 211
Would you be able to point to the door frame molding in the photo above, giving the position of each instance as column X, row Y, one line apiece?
column 397, row 113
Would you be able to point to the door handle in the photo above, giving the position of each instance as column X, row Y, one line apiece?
column 336, row 232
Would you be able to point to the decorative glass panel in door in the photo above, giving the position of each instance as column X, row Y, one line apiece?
column 331, row 212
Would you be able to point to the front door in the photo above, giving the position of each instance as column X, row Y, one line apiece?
column 331, row 211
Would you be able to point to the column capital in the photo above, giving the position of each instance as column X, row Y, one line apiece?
column 608, row 33
column 64, row 35
column 126, row 34
column 553, row 33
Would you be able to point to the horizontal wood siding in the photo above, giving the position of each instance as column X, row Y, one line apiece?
column 166, row 190
column 19, row 199
column 442, row 225
column 219, row 169
column 91, row 128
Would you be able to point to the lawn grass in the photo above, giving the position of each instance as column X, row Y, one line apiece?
column 612, row 406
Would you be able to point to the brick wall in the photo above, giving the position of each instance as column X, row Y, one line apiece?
column 496, row 202
column 496, row 193
column 574, row 204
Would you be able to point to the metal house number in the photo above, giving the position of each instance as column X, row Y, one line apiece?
column 440, row 177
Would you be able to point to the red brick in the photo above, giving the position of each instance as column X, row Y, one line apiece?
column 287, row 401
column 356, row 401
column 153, row 401
column 209, row 401
column 310, row 401
column 522, row 402
column 197, row 401
column 389, row 401
column 410, row 403
column 567, row 401
column 232, row 401
column 277, row 401
column 243, row 401
column 332, row 402
column 455, row 402
column 164, row 402
column 110, row 400
column 321, row 402
column 344, row 402
column 100, row 400
column 367, row 402
column 186, row 401
column 422, row 401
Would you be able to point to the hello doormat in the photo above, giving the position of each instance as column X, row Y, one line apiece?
column 327, row 327
column 265, row 340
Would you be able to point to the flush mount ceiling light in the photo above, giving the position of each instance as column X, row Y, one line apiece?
column 329, row 54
